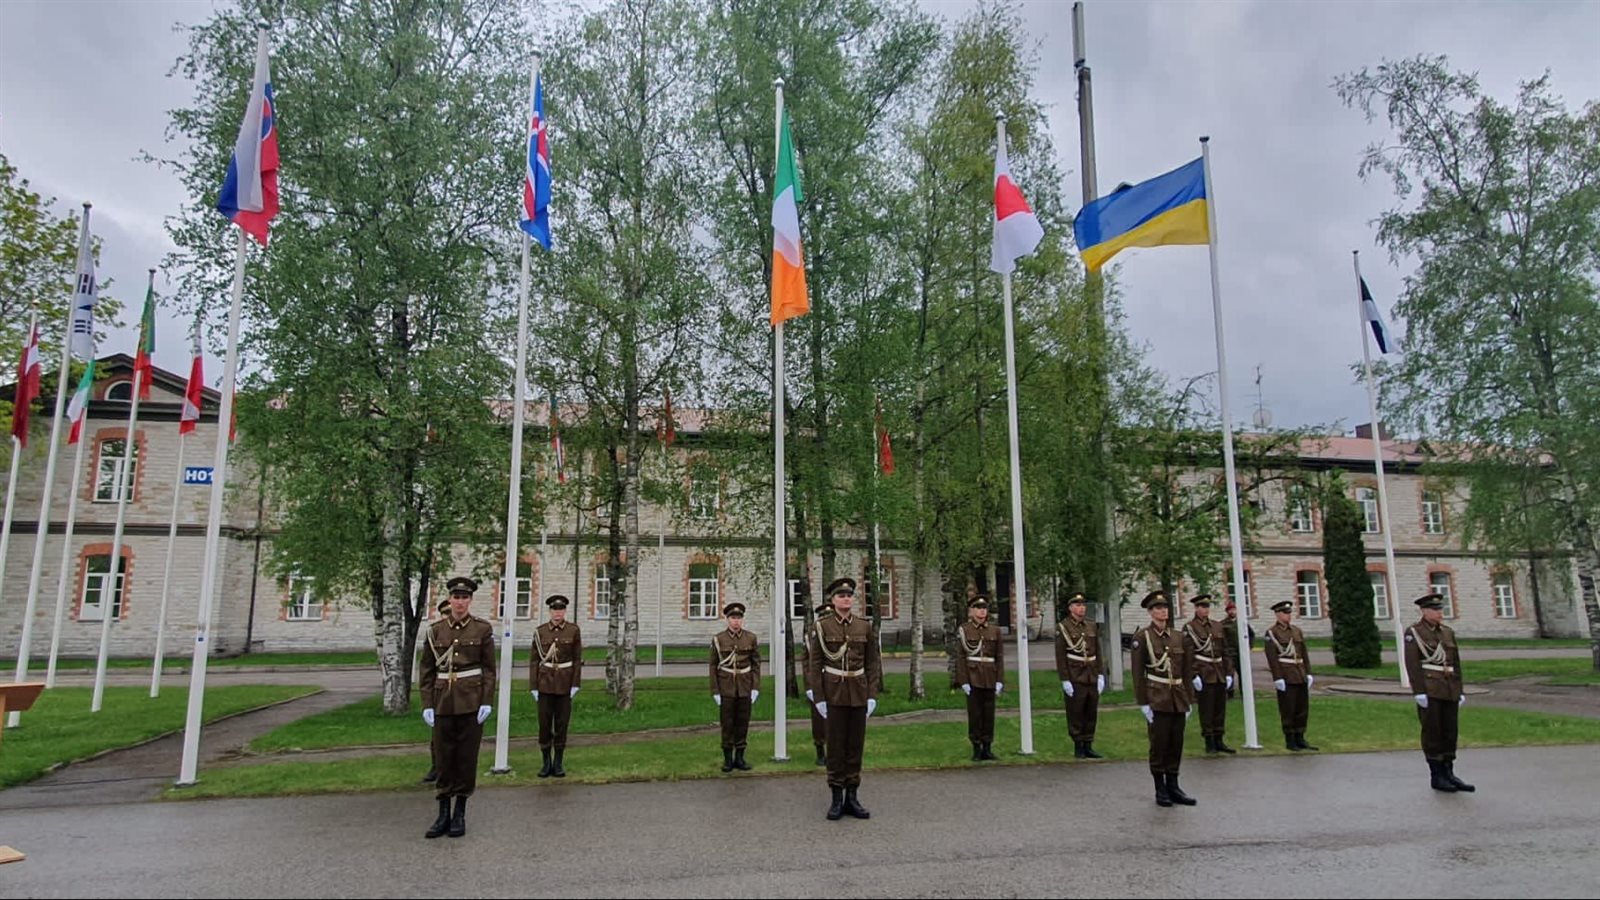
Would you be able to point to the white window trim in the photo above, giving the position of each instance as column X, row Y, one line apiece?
column 1442, row 586
column 708, row 590
column 797, row 610
column 698, row 489
column 94, row 612
column 1367, row 499
column 1302, row 608
column 522, row 603
column 1502, row 587
column 121, row 387
column 889, row 598
column 302, row 600
column 602, row 587
column 1302, row 519
column 1432, row 513
column 105, row 478
column 1380, row 596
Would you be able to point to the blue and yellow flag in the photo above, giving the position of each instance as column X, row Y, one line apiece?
column 1167, row 209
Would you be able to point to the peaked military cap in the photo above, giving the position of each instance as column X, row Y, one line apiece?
column 461, row 584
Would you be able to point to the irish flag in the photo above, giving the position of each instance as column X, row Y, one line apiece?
column 80, row 404
column 788, row 264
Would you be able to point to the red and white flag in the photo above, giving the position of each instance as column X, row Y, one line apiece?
column 885, row 448
column 1016, row 229
column 192, row 393
column 27, row 386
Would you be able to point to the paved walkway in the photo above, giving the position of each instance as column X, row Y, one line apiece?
column 1350, row 825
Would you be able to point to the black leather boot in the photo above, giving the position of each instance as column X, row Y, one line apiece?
column 1176, row 793
column 1211, row 743
column 1439, row 781
column 727, row 759
column 555, row 764
column 987, row 752
column 822, row 754
column 836, row 811
column 544, row 770
column 977, row 752
column 1223, row 748
column 1162, row 797
column 1291, row 740
column 738, row 760
column 441, row 824
column 1088, row 751
column 1301, row 737
column 432, row 776
column 458, row 822
column 1450, row 775
column 853, row 806
column 1077, row 750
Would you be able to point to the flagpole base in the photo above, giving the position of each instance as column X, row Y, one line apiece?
column 505, row 771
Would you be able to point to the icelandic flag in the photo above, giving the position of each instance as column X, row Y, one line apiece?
column 536, row 169
column 250, row 192
column 1369, row 309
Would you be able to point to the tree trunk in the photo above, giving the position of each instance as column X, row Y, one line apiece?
column 390, row 625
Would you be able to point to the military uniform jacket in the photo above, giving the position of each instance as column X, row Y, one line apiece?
column 980, row 655
column 1286, row 653
column 1433, row 661
column 1162, row 669
column 1077, row 651
column 1230, row 639
column 842, row 661
column 458, row 666
column 1208, row 644
column 735, row 663
column 556, row 663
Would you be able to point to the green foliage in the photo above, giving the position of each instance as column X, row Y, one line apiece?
column 1356, row 643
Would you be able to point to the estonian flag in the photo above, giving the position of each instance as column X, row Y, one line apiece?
column 1369, row 309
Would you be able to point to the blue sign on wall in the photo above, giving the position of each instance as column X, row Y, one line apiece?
column 196, row 474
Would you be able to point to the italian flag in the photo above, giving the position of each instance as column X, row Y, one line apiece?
column 80, row 404
column 788, row 264
column 143, row 367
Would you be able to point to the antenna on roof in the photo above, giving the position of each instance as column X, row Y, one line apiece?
column 1262, row 418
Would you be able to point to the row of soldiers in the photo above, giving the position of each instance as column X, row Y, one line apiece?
column 1173, row 671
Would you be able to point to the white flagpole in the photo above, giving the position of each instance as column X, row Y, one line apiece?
column 1019, row 579
column 64, row 573
column 11, row 482
column 780, row 659
column 166, row 571
column 508, row 591
column 661, row 593
column 1391, row 575
column 43, row 531
column 188, row 770
column 1247, row 686
column 109, row 607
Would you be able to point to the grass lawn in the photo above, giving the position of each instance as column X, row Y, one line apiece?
column 1337, row 725
column 1478, row 671
column 61, row 729
column 658, row 703
column 596, row 655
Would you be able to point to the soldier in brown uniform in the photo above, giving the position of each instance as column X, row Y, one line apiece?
column 980, row 666
column 1434, row 665
column 1082, row 679
column 1230, row 634
column 844, row 664
column 1285, row 647
column 433, row 765
column 735, row 684
column 1162, row 671
column 1204, row 639
column 555, row 670
column 819, row 725
column 457, row 683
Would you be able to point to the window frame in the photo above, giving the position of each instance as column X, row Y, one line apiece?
column 1432, row 525
column 119, row 600
column 1298, row 496
column 1445, row 587
column 1380, row 584
column 297, row 605
column 104, row 480
column 1371, row 517
column 1302, row 608
column 1496, row 582
column 709, row 590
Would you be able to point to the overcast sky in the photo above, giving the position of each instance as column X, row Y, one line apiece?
column 84, row 90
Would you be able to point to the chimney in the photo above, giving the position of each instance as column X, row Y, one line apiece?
column 1364, row 430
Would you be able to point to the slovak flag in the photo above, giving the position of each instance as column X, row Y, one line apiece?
column 190, row 417
column 1369, row 309
column 536, row 169
column 1016, row 229
column 250, row 192
column 28, row 368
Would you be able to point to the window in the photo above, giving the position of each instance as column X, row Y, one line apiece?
column 797, row 598
column 872, row 590
column 703, row 591
column 1300, row 509
column 108, row 471
column 522, row 603
column 1432, row 512
column 1439, row 583
column 96, row 575
column 1368, row 499
column 304, row 604
column 1505, row 598
column 1244, row 599
column 705, row 493
column 602, row 593
column 1380, row 596
column 122, row 390
column 1308, row 594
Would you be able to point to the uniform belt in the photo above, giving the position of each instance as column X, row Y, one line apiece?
column 980, row 659
column 1429, row 667
column 462, row 673
column 1291, row 662
column 565, row 665
column 1172, row 681
column 1210, row 659
column 1076, row 658
column 844, row 673
column 733, row 671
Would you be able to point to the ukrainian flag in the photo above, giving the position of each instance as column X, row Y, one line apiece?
column 1167, row 209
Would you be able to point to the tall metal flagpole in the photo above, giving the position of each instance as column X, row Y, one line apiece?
column 1019, row 573
column 508, row 591
column 43, row 532
column 661, row 593
column 63, row 572
column 208, row 572
column 1247, row 685
column 1391, row 575
column 16, row 460
column 780, row 570
column 166, row 570
column 109, row 607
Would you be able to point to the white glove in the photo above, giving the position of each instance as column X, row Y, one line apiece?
column 1229, row 685
column 966, row 689
column 718, row 698
column 754, row 696
column 999, row 686
column 871, row 705
column 427, row 716
column 811, row 698
column 1149, row 714
column 1278, row 683
column 1310, row 680
column 1066, row 688
column 1100, row 684
column 572, row 693
column 1462, row 700
column 483, row 713
column 1422, row 701
column 822, row 709
column 1198, row 684
column 536, row 696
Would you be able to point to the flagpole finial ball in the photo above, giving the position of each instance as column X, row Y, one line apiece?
column 87, row 204
column 1205, row 138
column 1000, row 116
column 777, row 82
